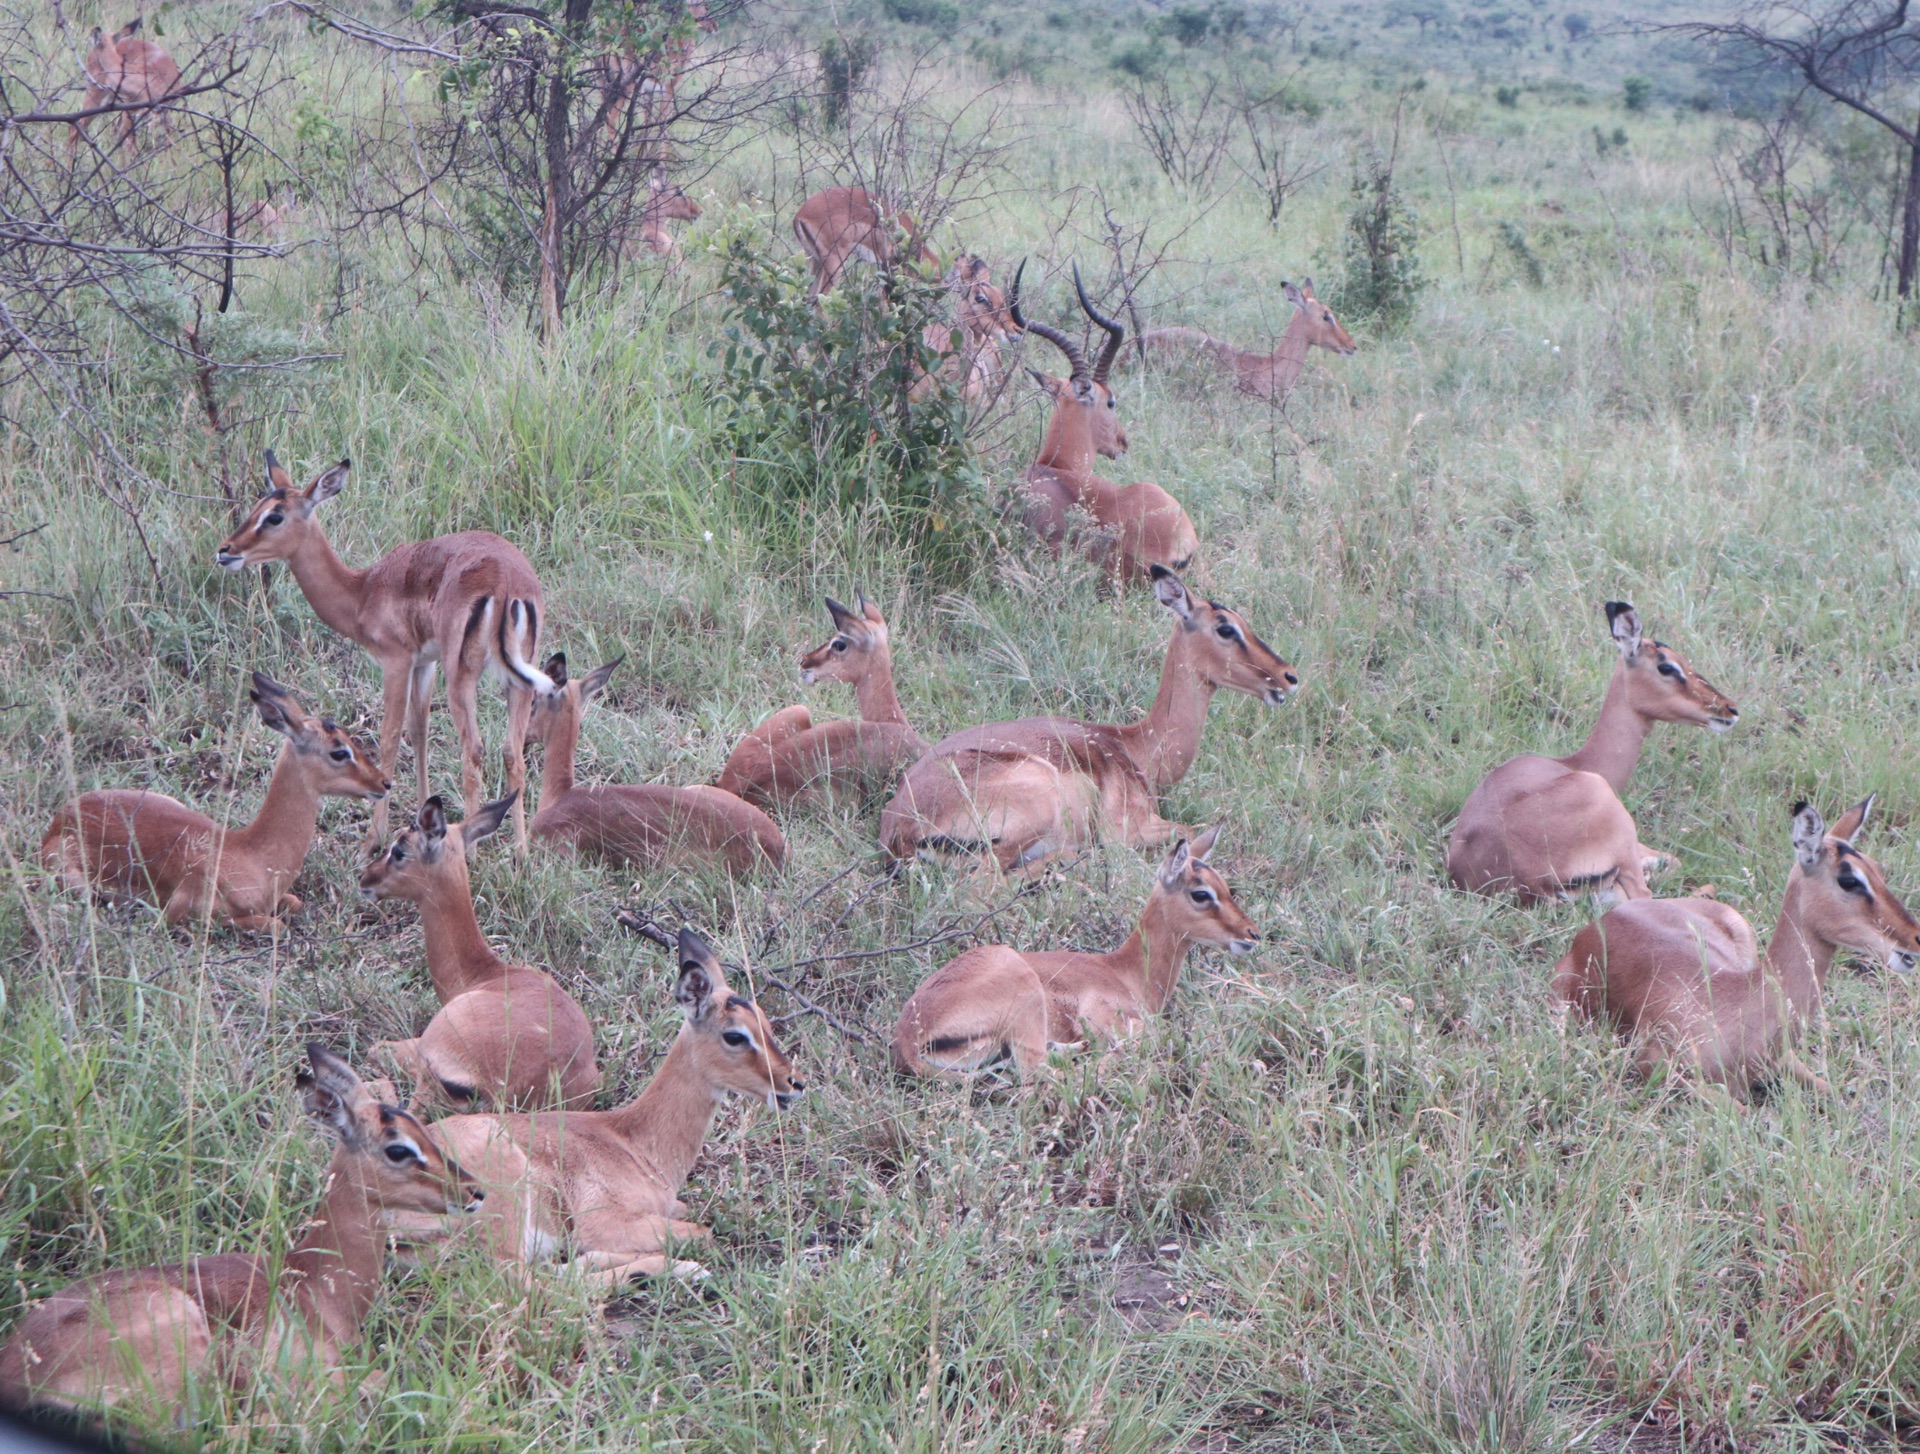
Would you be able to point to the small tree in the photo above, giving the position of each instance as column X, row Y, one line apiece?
column 1637, row 92
column 1383, row 279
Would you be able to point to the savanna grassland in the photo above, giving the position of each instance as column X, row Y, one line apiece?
column 1351, row 1193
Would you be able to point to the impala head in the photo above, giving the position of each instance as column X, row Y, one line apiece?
column 983, row 310
column 431, row 852
column 666, row 200
column 859, row 640
column 1222, row 646
column 1197, row 900
column 389, row 1153
column 569, row 699
column 1081, row 388
column 337, row 765
column 282, row 519
column 731, row 1038
column 1661, row 687
column 1844, row 898
column 1316, row 319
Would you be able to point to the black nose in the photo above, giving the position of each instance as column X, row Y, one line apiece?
column 1292, row 679
column 797, row 1083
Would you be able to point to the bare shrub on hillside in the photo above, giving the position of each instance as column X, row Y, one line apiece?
column 1780, row 209
column 1187, row 129
column 1272, row 119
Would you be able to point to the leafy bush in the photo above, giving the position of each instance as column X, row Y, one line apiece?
column 1637, row 92
column 1382, row 279
column 822, row 418
column 1508, row 96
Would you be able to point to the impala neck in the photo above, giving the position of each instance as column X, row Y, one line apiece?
column 1290, row 354
column 874, row 691
column 1068, row 446
column 1164, row 743
column 1798, row 959
column 556, row 760
column 1152, row 956
column 667, row 1123
column 458, row 955
column 333, row 1272
column 332, row 588
column 281, row 832
column 1613, row 748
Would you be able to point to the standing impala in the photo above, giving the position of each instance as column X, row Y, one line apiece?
column 839, row 224
column 1270, row 375
column 1685, row 978
column 138, row 1339
column 469, row 603
column 604, row 1186
column 643, row 823
column 1141, row 525
column 128, row 843
column 789, row 757
column 1025, row 790
column 506, row 1035
column 125, row 72
column 993, row 1002
column 1553, row 827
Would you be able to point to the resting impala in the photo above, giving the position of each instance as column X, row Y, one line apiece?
column 644, row 823
column 125, row 72
column 1025, row 790
column 1686, row 979
column 788, row 757
column 1141, row 526
column 840, row 224
column 604, row 1186
column 127, row 843
column 1553, row 827
column 969, row 347
column 505, row 1035
column 469, row 603
column 994, row 1002
column 1270, row 375
column 138, row 1339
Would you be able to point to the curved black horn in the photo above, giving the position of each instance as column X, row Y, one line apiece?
column 1115, row 332
column 1013, row 298
column 1076, row 360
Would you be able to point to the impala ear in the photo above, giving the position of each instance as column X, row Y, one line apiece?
column 700, row 981
column 1175, row 866
column 595, row 681
column 329, row 482
column 1852, row 821
column 1809, row 836
column 842, row 617
column 556, row 668
column 333, row 1094
column 1306, row 286
column 1624, row 622
column 486, row 819
column 1046, row 382
column 1170, row 591
column 130, row 29
column 431, row 820
column 277, row 476
column 276, row 704
column 1203, row 843
column 1293, row 295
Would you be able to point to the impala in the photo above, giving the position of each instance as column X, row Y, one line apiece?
column 993, row 1002
column 1141, row 525
column 1553, row 827
column 788, row 756
column 1025, row 790
column 138, row 1339
column 604, row 1186
column 624, row 77
column 505, row 1035
column 644, row 824
column 1685, row 978
column 969, row 347
column 840, row 224
column 1270, row 375
column 127, row 843
column 469, row 603
column 665, row 203
column 127, row 76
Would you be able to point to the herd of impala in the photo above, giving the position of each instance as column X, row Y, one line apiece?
column 508, row 1062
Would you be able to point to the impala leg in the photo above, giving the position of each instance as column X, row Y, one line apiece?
column 1802, row 1072
column 393, row 716
column 419, row 704
column 463, row 701
column 519, row 714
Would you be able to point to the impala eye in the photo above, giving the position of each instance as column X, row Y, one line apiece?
column 1226, row 632
column 738, row 1039
column 341, row 754
column 1668, row 669
column 401, row 1154
column 1202, row 896
column 839, row 643
column 276, row 518
column 396, row 854
column 1853, row 885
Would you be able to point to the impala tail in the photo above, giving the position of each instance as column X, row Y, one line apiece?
column 516, row 641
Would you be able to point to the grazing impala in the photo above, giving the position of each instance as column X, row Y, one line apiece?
column 505, row 1035
column 136, row 1340
column 604, row 1186
column 1685, row 978
column 127, row 843
column 993, row 1002
column 1270, row 375
column 469, row 603
column 131, row 75
column 646, row 823
column 840, row 224
column 788, row 757
column 1025, row 790
column 969, row 347
column 665, row 203
column 1553, row 827
column 1141, row 525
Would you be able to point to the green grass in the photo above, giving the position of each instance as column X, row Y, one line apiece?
column 1353, row 1193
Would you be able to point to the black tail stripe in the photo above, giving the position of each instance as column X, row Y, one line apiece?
column 473, row 623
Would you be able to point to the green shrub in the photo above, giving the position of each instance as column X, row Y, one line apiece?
column 1508, row 96
column 1637, row 92
column 1382, row 279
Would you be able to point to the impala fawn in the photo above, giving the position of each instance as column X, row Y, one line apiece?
column 129, row 75
column 789, row 757
column 129, row 844
column 994, row 1002
column 1271, row 375
column 604, row 1186
column 139, row 1339
column 1553, row 827
column 1685, row 978
column 644, row 823
column 469, row 603
column 506, row 1035
column 1028, row 789
column 839, row 224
